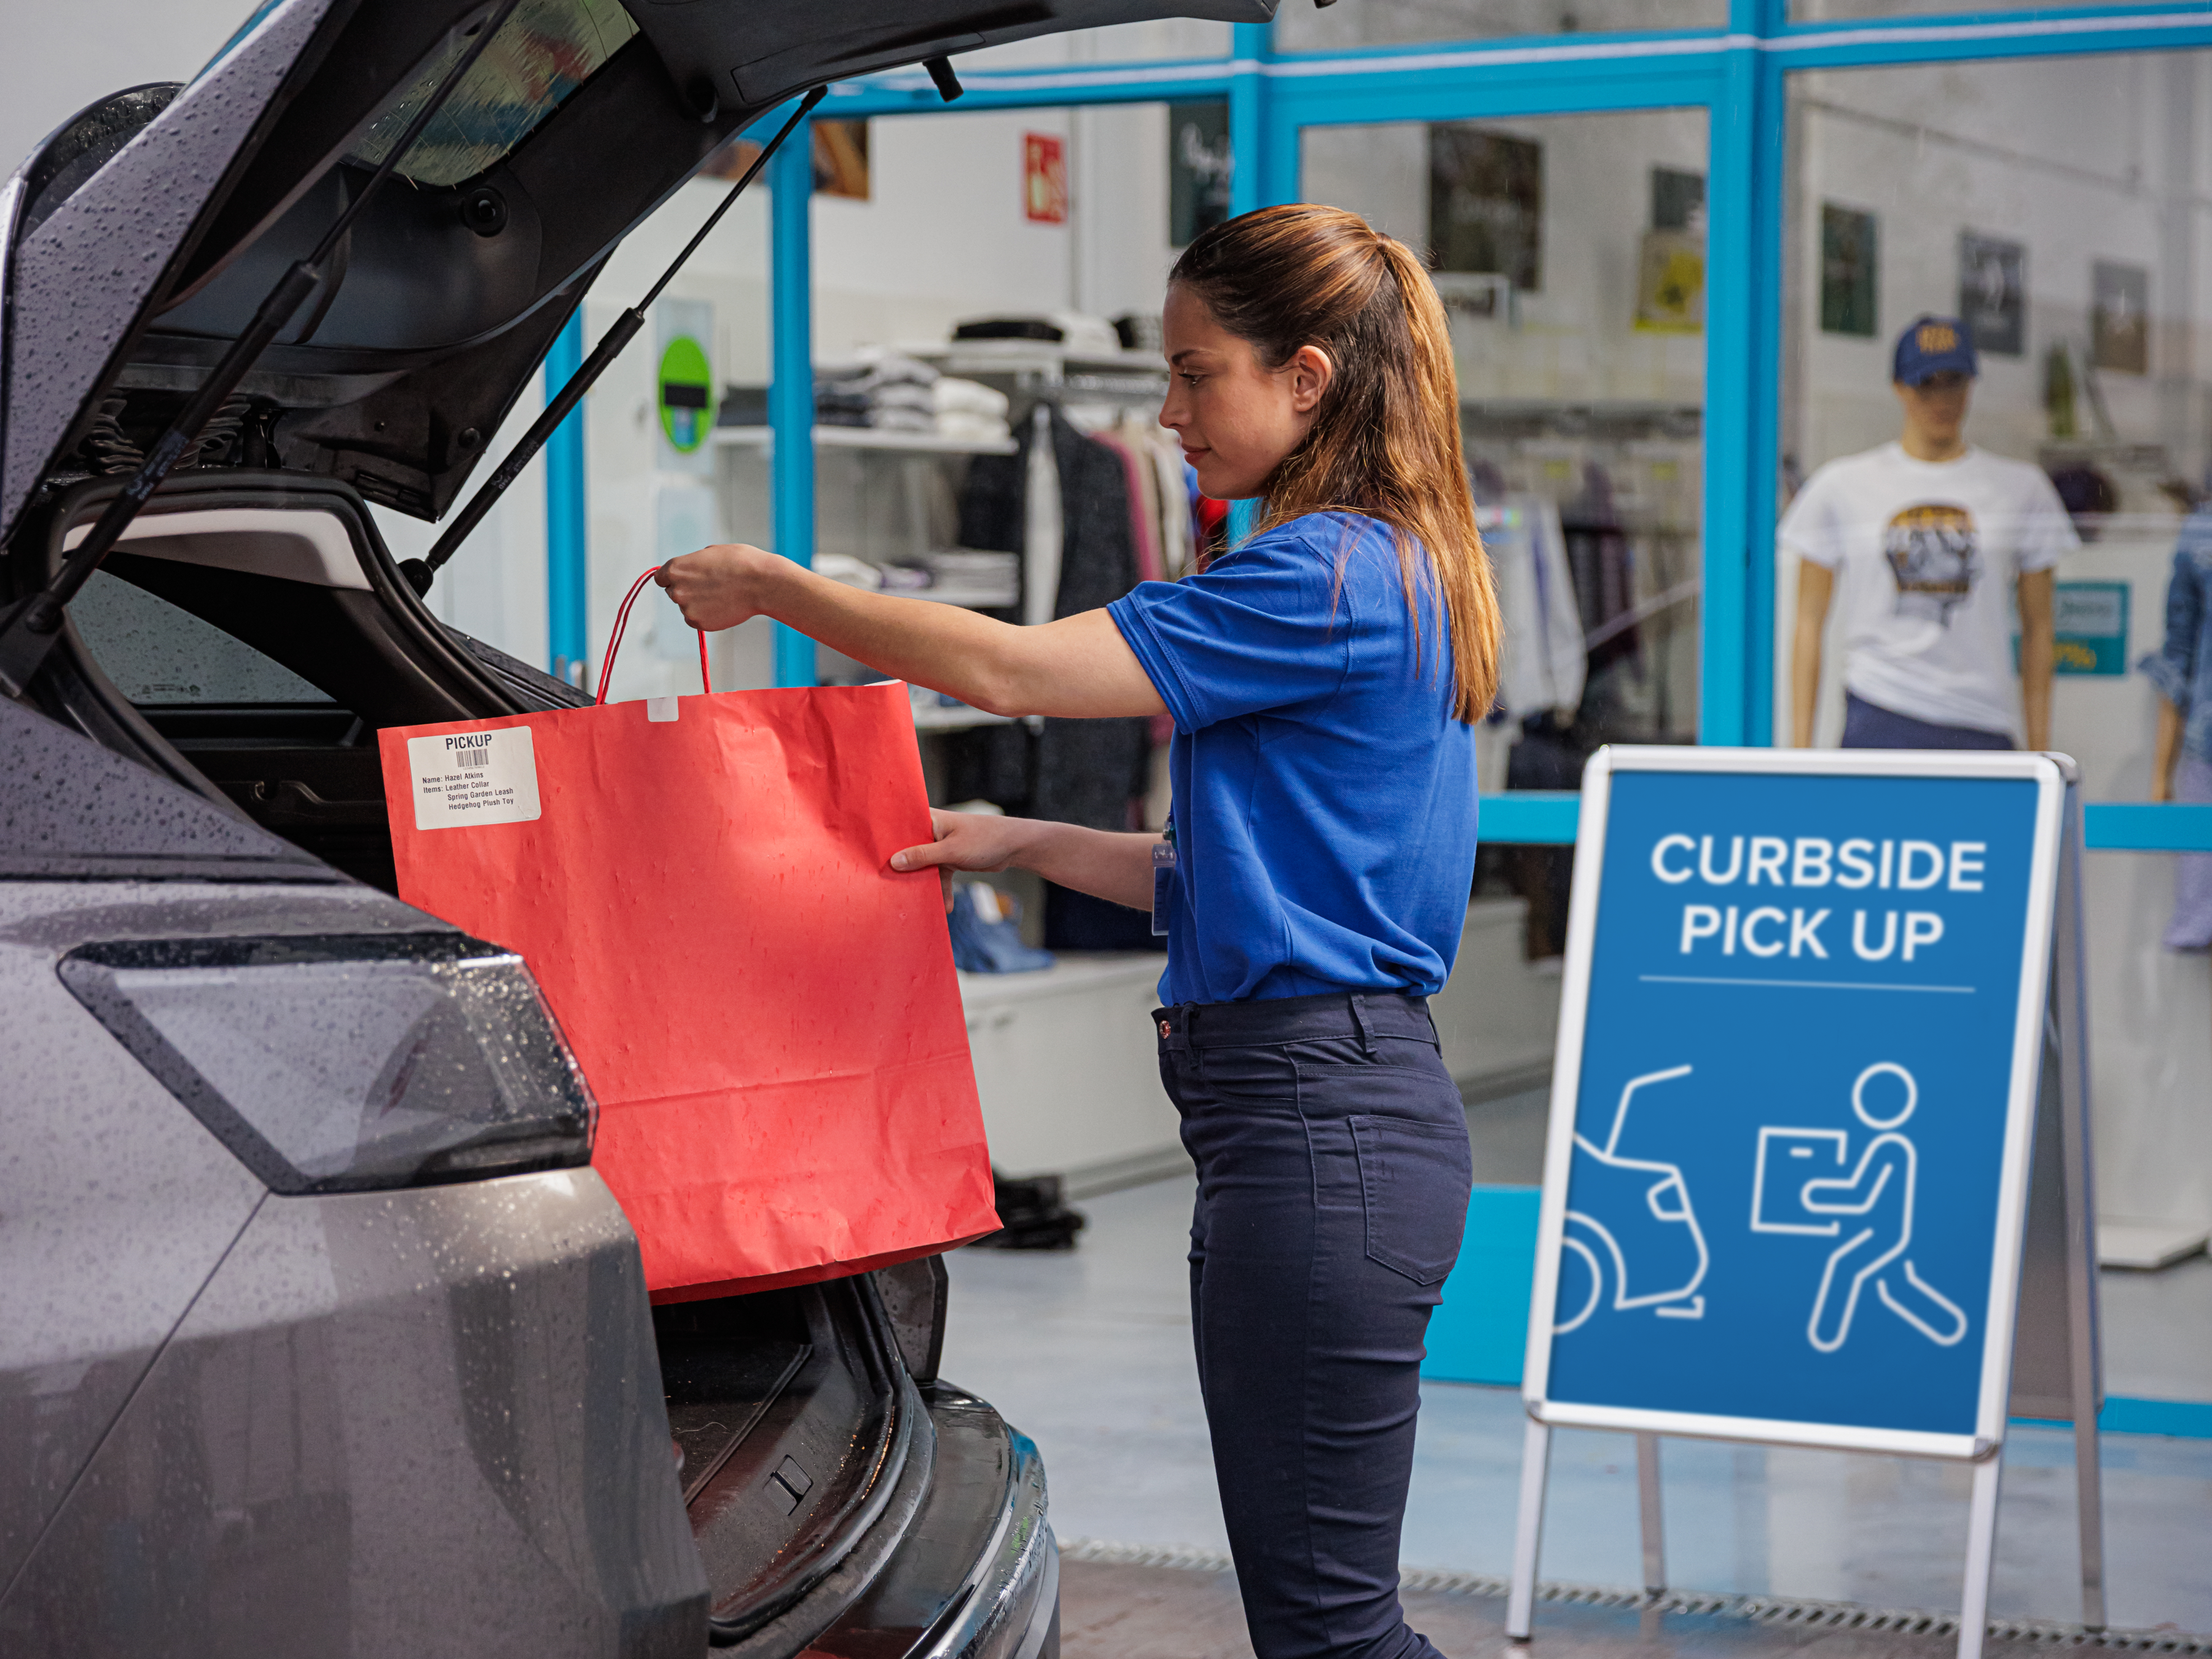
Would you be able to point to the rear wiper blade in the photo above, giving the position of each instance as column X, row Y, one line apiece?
column 31, row 628
column 420, row 573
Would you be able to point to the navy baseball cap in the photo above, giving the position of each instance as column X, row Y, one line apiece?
column 1931, row 346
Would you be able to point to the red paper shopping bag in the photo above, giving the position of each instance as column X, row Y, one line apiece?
column 767, row 1013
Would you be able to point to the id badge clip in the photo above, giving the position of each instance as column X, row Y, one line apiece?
column 1164, row 876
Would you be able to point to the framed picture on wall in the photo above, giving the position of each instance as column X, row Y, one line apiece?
column 1044, row 178
column 2119, row 318
column 1487, row 203
column 1993, row 293
column 841, row 159
column 1850, row 302
column 1198, row 170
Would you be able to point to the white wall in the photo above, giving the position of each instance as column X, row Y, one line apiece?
column 60, row 58
column 1575, row 337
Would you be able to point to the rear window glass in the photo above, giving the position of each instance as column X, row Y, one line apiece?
column 157, row 653
column 541, row 54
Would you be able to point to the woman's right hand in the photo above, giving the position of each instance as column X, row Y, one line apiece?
column 718, row 587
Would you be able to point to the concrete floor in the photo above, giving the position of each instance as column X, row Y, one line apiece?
column 1089, row 1352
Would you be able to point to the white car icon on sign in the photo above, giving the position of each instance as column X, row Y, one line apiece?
column 1631, row 1238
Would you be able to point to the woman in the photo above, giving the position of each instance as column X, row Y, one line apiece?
column 1323, row 678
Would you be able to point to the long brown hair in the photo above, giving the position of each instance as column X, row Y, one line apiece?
column 1385, row 437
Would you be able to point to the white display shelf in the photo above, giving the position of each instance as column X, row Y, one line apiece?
column 941, row 719
column 967, row 599
column 1009, row 356
column 866, row 437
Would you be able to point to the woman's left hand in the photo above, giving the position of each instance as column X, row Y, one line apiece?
column 718, row 587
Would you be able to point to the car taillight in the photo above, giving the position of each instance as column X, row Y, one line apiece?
column 339, row 1063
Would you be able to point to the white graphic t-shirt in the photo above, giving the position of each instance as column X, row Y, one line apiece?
column 1926, row 554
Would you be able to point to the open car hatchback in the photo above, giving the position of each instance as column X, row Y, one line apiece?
column 320, row 1336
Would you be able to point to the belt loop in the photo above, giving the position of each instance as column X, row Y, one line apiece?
column 1360, row 1023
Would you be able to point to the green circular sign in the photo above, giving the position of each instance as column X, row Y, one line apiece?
column 687, row 394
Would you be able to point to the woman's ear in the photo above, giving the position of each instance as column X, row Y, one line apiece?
column 1311, row 371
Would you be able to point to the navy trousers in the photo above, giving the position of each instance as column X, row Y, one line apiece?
column 1869, row 726
column 1333, row 1177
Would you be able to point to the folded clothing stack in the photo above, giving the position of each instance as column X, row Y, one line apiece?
column 896, row 393
column 901, row 394
column 1077, row 330
column 840, row 400
column 969, row 411
column 889, row 391
column 962, row 575
column 955, row 575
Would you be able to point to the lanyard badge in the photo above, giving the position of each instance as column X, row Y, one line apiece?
column 1164, row 875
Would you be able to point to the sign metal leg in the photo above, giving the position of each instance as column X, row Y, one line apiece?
column 1653, row 1516
column 2089, row 1500
column 1981, row 1556
column 2085, row 1367
column 1529, row 1530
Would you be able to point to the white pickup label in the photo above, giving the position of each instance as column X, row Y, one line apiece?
column 467, row 778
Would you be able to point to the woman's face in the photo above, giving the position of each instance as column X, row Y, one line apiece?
column 1236, row 418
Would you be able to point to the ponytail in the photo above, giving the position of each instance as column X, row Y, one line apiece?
column 1385, row 440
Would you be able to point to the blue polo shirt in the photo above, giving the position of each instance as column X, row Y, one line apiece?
column 1324, row 795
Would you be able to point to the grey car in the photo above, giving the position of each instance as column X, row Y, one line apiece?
column 318, row 1333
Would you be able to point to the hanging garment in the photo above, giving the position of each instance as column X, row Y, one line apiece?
column 1143, row 500
column 1091, row 772
column 1178, row 499
column 1063, row 503
column 1543, row 660
column 1044, row 521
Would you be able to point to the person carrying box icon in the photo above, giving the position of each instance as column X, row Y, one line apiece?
column 1869, row 1210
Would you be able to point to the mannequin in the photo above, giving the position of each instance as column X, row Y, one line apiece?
column 2181, row 761
column 1932, row 528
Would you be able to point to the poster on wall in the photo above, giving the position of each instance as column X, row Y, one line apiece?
column 684, row 384
column 2119, row 317
column 2089, row 625
column 1678, row 200
column 841, row 159
column 1849, row 298
column 1487, row 203
column 1198, row 170
column 1670, row 276
column 1044, row 178
column 1993, row 293
column 1670, row 283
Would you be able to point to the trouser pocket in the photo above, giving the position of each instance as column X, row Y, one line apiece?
column 1408, row 1131
column 1415, row 1178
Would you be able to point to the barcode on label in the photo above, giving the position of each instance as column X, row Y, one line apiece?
column 474, row 758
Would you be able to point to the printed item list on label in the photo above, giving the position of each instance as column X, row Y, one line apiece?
column 1814, row 861
column 465, row 779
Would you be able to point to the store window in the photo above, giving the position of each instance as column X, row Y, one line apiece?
column 1570, row 252
column 1393, row 22
column 1159, row 39
column 2027, row 242
column 1824, row 11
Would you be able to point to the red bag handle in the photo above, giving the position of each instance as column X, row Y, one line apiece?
column 622, row 621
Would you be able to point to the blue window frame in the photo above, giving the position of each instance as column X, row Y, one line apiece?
column 1737, row 76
